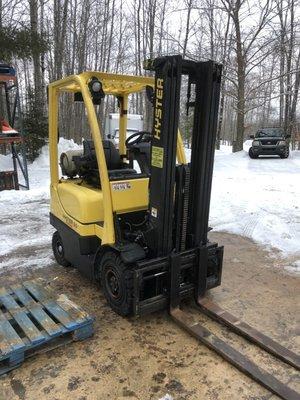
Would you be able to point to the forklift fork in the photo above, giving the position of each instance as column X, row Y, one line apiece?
column 214, row 311
column 233, row 356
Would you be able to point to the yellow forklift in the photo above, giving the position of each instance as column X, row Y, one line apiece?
column 135, row 218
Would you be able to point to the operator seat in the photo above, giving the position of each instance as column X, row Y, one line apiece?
column 87, row 165
column 112, row 157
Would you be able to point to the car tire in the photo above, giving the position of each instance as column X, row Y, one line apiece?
column 116, row 282
column 58, row 250
column 285, row 154
column 251, row 153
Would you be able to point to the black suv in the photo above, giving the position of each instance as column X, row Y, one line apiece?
column 269, row 141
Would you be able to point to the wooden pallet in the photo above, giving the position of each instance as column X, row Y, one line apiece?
column 34, row 319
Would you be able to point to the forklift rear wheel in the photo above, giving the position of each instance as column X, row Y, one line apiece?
column 117, row 283
column 58, row 250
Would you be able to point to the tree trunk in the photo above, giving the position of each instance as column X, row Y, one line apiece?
column 295, row 98
column 39, row 95
column 225, row 57
column 187, row 29
column 240, row 120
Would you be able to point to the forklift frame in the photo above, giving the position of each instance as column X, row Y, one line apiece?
column 120, row 86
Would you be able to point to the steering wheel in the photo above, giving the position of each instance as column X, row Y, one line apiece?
column 138, row 137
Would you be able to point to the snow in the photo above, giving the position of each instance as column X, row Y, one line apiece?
column 294, row 268
column 25, row 214
column 258, row 199
column 5, row 162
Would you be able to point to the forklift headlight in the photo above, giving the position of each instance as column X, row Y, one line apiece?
column 255, row 143
column 96, row 90
column 96, row 86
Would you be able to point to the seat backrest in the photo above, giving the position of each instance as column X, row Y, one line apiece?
column 111, row 153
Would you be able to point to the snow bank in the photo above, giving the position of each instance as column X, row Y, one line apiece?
column 25, row 214
column 259, row 199
column 64, row 144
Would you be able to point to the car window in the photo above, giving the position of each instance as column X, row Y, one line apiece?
column 269, row 132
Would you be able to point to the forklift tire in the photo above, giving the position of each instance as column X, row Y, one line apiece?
column 251, row 154
column 117, row 283
column 58, row 250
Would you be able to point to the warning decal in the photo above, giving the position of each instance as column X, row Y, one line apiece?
column 121, row 186
column 157, row 158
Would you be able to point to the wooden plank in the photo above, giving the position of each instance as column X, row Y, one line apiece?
column 20, row 316
column 23, row 295
column 69, row 321
column 61, row 315
column 72, row 309
column 37, row 311
column 37, row 291
column 4, row 344
column 10, row 341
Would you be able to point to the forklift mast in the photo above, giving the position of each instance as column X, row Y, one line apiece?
column 195, row 181
column 181, row 258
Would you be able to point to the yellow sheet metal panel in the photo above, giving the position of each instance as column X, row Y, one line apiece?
column 81, row 203
column 58, row 211
column 130, row 195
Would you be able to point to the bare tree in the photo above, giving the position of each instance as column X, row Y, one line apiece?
column 244, row 43
column 39, row 94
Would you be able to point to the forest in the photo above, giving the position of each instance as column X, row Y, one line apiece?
column 258, row 44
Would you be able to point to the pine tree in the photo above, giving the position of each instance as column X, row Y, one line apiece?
column 35, row 127
column 19, row 43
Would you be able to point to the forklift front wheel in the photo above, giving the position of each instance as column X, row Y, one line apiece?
column 116, row 282
column 58, row 250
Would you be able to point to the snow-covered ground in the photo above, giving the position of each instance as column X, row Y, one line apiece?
column 258, row 199
column 25, row 214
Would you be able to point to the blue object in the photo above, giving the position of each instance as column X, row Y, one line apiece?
column 32, row 318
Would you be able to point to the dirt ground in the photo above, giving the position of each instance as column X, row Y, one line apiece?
column 149, row 357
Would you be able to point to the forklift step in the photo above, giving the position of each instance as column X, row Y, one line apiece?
column 233, row 356
column 34, row 320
